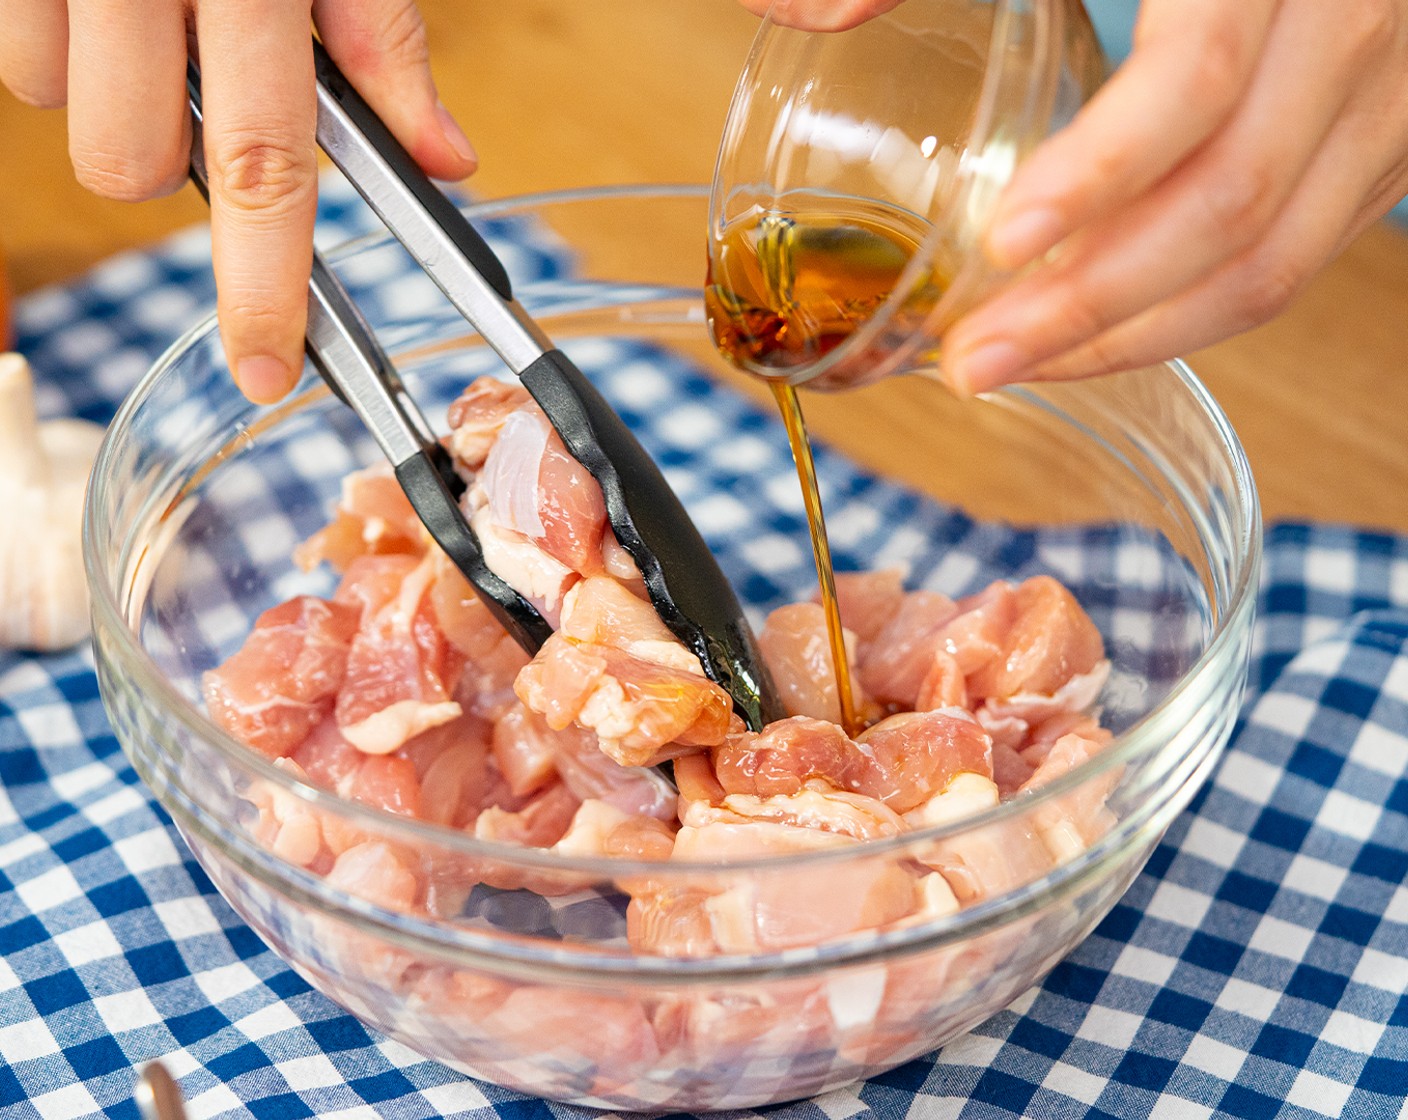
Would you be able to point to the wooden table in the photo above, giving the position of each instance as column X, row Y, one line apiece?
column 560, row 94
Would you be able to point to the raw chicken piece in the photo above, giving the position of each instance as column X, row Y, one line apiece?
column 533, row 486
column 565, row 1028
column 592, row 774
column 287, row 825
column 759, row 911
column 492, row 658
column 1050, row 640
column 621, row 566
column 797, row 651
column 370, row 582
column 900, row 761
column 699, row 1028
column 1012, row 718
column 600, row 829
column 643, row 712
column 974, row 636
column 277, row 687
column 372, row 518
column 517, row 560
column 869, row 601
column 966, row 795
column 670, row 922
column 400, row 668
column 476, row 416
column 819, row 807
column 980, row 862
column 388, row 783
column 1043, row 736
column 525, row 750
column 897, row 662
column 944, row 685
column 375, row 871
column 383, row 783
column 540, row 823
column 328, row 759
column 917, row 754
column 1010, row 769
column 696, row 781
column 1071, row 823
column 454, row 781
column 544, row 822
column 600, row 611
column 789, row 753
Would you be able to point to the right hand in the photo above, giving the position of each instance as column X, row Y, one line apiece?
column 820, row 15
column 120, row 66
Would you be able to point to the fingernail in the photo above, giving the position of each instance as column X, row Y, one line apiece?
column 454, row 135
column 1023, row 237
column 989, row 366
column 263, row 379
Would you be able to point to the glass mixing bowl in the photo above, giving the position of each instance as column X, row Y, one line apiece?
column 512, row 964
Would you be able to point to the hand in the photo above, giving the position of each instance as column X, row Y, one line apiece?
column 820, row 15
column 120, row 65
column 1238, row 150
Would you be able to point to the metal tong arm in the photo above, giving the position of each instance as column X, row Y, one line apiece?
column 688, row 590
column 423, row 219
column 345, row 352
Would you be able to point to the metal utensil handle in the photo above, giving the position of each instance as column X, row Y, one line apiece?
column 157, row 1095
column 428, row 224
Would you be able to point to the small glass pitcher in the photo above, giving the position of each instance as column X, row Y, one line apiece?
column 859, row 169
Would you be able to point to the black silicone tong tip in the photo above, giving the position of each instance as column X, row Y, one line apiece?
column 686, row 585
column 690, row 592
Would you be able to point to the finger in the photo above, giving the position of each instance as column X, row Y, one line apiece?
column 1338, row 198
column 129, row 131
column 1192, row 62
column 1220, row 201
column 820, row 15
column 34, row 51
column 260, row 113
column 381, row 46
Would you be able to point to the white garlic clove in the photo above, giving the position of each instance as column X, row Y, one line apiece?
column 43, row 477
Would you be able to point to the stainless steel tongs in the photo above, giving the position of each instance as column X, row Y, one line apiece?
column 686, row 586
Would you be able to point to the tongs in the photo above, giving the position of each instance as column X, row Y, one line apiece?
column 686, row 585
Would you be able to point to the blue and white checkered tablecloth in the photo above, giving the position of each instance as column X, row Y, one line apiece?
column 1257, row 967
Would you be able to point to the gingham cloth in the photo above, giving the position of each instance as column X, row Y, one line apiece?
column 1257, row 968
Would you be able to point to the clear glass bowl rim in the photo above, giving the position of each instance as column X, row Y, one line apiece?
column 1148, row 735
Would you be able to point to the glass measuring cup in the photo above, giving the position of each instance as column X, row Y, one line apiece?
column 859, row 169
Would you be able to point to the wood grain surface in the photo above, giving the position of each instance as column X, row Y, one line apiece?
column 560, row 94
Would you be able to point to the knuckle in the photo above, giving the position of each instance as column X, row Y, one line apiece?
column 1241, row 202
column 1088, row 360
column 397, row 41
column 1083, row 315
column 1267, row 288
column 260, row 174
column 404, row 37
column 1221, row 63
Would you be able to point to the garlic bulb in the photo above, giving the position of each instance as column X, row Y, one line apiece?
column 43, row 475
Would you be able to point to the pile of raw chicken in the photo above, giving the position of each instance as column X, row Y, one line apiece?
column 402, row 692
